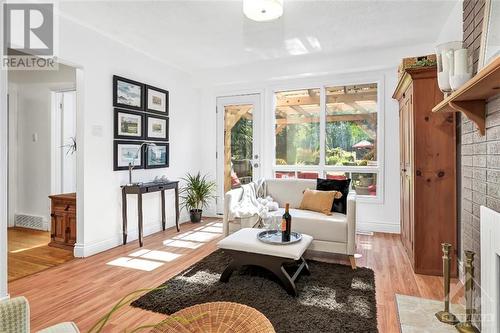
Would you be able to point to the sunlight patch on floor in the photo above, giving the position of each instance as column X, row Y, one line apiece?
column 213, row 229
column 182, row 244
column 156, row 255
column 140, row 264
column 200, row 236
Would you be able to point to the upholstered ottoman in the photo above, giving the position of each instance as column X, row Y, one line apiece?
column 246, row 249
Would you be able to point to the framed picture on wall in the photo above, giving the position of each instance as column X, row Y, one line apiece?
column 156, row 156
column 126, row 152
column 129, row 124
column 157, row 100
column 127, row 93
column 156, row 128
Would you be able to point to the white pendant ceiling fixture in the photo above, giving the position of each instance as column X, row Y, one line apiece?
column 263, row 10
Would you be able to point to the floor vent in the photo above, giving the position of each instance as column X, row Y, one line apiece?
column 30, row 221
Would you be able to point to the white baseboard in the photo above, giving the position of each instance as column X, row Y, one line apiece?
column 367, row 227
column 86, row 250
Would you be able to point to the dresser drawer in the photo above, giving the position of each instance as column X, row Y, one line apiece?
column 64, row 206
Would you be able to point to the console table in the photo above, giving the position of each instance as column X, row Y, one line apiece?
column 151, row 187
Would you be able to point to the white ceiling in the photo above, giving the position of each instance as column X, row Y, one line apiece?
column 202, row 35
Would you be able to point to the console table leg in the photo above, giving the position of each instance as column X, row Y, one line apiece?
column 139, row 210
column 163, row 222
column 124, row 216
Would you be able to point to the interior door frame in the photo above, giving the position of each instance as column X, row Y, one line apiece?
column 56, row 127
column 256, row 100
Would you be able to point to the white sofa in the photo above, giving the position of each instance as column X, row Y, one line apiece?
column 335, row 233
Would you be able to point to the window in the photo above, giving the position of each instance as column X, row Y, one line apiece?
column 329, row 132
column 351, row 125
column 297, row 127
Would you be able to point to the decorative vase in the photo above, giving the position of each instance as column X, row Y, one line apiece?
column 462, row 68
column 445, row 64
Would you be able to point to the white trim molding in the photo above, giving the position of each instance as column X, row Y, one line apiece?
column 86, row 250
column 490, row 270
column 377, row 226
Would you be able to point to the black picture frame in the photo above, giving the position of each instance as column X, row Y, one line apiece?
column 117, row 125
column 116, row 144
column 146, row 128
column 146, row 100
column 156, row 166
column 116, row 102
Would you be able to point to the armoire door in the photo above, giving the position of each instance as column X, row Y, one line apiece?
column 405, row 172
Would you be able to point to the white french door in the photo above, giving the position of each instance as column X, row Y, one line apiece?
column 239, row 124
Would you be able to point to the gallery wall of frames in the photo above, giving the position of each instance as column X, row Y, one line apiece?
column 141, row 116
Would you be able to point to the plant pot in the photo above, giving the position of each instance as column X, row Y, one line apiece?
column 195, row 215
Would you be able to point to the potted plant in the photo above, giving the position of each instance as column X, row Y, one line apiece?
column 196, row 195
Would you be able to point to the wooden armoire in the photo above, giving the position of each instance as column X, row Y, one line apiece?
column 427, row 172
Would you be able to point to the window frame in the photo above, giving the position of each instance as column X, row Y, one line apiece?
column 322, row 168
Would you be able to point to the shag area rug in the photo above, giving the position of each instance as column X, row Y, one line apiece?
column 334, row 298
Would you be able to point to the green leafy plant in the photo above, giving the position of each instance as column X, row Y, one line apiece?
column 126, row 300
column 197, row 191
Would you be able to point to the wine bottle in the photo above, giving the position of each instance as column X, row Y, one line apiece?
column 286, row 224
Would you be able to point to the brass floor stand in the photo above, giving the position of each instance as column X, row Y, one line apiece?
column 446, row 316
column 467, row 326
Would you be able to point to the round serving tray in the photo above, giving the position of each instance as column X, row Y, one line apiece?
column 274, row 237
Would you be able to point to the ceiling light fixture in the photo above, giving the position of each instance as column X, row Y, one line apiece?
column 263, row 10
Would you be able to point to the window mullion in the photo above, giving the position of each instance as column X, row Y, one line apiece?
column 322, row 131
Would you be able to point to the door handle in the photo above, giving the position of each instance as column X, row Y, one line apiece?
column 256, row 165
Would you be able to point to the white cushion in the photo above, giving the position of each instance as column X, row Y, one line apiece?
column 289, row 190
column 245, row 240
column 332, row 228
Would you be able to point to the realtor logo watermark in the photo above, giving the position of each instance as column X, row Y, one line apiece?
column 28, row 36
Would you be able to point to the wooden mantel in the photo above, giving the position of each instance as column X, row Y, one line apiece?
column 471, row 98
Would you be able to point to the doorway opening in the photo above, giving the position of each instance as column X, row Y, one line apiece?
column 238, row 147
column 41, row 169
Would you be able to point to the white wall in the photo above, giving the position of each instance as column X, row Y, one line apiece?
column 30, row 145
column 3, row 173
column 100, row 58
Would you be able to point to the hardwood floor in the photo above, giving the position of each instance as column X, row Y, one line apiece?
column 29, row 253
column 83, row 290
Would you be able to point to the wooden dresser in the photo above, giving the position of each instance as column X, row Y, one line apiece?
column 427, row 172
column 63, row 220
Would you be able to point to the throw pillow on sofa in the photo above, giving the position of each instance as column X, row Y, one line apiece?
column 342, row 186
column 319, row 201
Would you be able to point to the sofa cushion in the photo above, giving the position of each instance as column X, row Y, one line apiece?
column 319, row 201
column 339, row 206
column 246, row 240
column 288, row 190
column 322, row 227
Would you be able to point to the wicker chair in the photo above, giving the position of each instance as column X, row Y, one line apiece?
column 15, row 318
column 220, row 317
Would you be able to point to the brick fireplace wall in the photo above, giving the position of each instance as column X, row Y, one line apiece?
column 479, row 183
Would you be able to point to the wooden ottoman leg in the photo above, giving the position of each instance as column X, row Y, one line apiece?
column 353, row 262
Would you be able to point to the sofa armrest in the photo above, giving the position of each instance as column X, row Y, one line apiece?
column 231, row 198
column 15, row 315
column 351, row 223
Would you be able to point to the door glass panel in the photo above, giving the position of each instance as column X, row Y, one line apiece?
column 238, row 145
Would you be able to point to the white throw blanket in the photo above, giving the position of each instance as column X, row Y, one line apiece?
column 250, row 205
